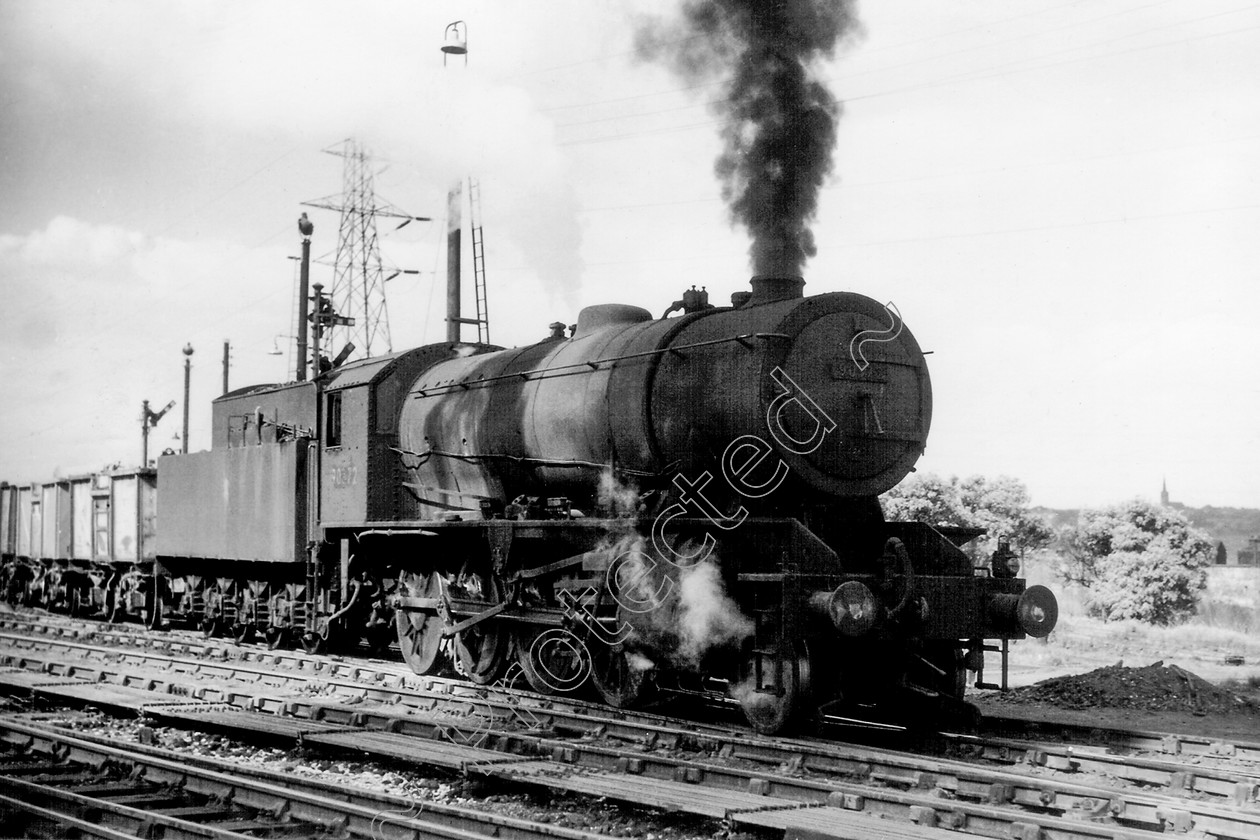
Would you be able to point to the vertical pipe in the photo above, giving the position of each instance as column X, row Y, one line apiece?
column 315, row 466
column 144, row 435
column 226, row 348
column 316, row 329
column 188, row 351
column 303, row 291
column 454, row 201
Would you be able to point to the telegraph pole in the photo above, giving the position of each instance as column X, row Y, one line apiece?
column 188, row 352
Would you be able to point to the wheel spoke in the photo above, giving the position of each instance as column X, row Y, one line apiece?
column 419, row 634
column 481, row 651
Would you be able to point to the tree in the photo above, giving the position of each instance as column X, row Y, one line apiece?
column 998, row 505
column 1137, row 560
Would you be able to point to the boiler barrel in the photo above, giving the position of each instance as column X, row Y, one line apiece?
column 833, row 384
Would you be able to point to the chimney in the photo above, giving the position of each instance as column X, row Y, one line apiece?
column 768, row 288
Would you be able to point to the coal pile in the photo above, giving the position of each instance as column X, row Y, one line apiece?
column 1156, row 687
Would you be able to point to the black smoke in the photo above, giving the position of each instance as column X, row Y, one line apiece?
column 778, row 118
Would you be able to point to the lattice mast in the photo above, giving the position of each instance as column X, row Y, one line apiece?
column 358, row 287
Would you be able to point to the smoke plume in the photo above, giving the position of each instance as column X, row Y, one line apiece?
column 779, row 119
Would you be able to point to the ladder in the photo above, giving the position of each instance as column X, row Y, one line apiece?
column 479, row 260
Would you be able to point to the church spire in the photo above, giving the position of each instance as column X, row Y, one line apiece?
column 1163, row 494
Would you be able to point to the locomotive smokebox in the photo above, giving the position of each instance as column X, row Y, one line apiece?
column 770, row 288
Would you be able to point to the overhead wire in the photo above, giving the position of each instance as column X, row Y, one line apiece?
column 885, row 48
column 848, row 77
column 968, row 76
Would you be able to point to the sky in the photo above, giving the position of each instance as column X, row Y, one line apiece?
column 1059, row 197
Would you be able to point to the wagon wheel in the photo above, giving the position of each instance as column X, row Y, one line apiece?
column 379, row 634
column 242, row 631
column 314, row 642
column 419, row 633
column 277, row 637
column 212, row 611
column 151, row 612
column 115, row 605
column 122, row 588
column 621, row 676
column 76, row 606
column 481, row 650
column 774, row 705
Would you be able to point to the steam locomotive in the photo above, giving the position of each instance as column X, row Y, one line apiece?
column 679, row 504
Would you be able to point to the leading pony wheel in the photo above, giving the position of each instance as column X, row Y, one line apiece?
column 774, row 691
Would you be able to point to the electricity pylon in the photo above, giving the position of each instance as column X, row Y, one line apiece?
column 358, row 286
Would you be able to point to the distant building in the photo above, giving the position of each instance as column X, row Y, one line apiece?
column 1250, row 556
column 1163, row 494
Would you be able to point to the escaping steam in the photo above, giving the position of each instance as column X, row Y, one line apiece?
column 779, row 119
column 707, row 617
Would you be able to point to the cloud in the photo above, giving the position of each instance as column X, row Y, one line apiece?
column 314, row 74
column 68, row 243
column 94, row 321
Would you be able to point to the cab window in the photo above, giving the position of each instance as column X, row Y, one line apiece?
column 332, row 420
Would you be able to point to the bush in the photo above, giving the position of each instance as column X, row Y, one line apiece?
column 1137, row 561
column 999, row 505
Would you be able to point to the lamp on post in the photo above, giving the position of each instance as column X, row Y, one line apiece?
column 455, row 41
column 305, row 227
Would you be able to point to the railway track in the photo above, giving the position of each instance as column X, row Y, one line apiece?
column 51, row 780
column 1037, row 789
column 1005, row 739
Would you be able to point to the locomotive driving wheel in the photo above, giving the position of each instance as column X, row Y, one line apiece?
column 619, row 675
column 553, row 660
column 480, row 650
column 419, row 633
